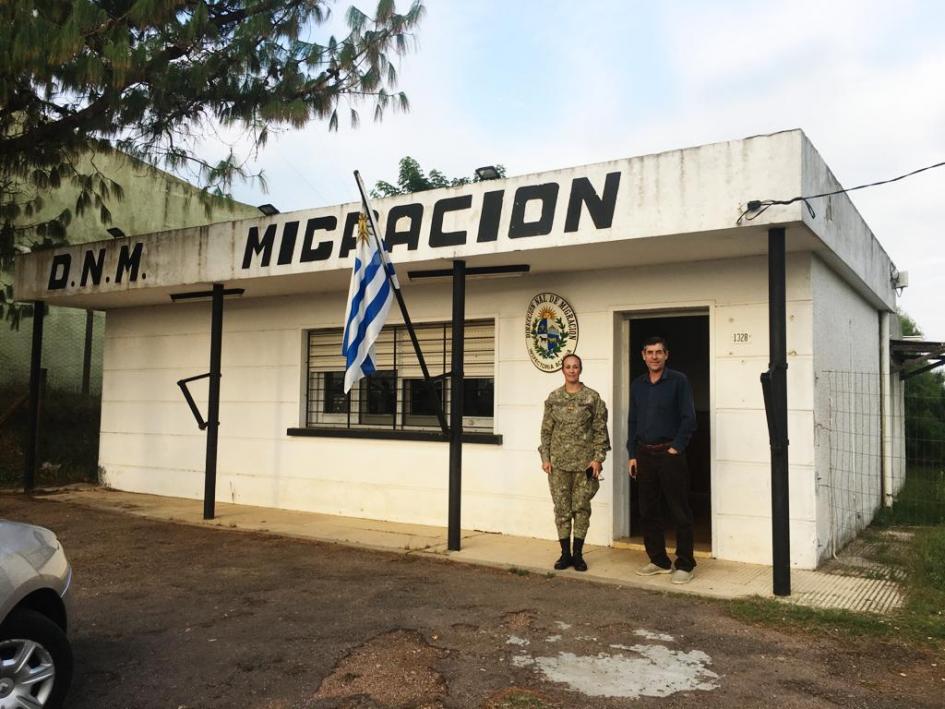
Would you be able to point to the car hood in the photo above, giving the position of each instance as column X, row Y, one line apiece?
column 31, row 559
column 26, row 543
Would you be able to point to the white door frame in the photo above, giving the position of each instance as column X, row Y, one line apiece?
column 621, row 397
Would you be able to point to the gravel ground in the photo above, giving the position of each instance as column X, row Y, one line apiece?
column 168, row 615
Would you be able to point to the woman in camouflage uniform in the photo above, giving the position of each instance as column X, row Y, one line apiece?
column 574, row 443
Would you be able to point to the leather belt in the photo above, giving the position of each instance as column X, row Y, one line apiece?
column 655, row 447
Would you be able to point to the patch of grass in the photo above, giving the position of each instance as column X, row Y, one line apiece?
column 519, row 572
column 920, row 620
column 925, row 603
column 516, row 698
column 928, row 559
column 921, row 501
column 769, row 612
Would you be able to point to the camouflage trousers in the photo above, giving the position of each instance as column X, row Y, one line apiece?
column 571, row 493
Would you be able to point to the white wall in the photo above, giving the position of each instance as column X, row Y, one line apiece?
column 150, row 442
column 848, row 419
column 741, row 474
column 849, row 246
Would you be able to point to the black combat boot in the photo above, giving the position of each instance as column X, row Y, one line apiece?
column 564, row 561
column 577, row 558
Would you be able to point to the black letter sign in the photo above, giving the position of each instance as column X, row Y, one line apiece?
column 128, row 262
column 491, row 213
column 349, row 240
column 287, row 247
column 255, row 245
column 411, row 237
column 92, row 267
column 601, row 209
column 59, row 271
column 324, row 247
column 451, row 238
column 548, row 194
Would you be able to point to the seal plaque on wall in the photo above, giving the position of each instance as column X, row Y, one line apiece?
column 551, row 331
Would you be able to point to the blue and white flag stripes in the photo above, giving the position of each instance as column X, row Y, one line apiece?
column 369, row 298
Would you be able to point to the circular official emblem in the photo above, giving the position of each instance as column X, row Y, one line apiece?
column 551, row 331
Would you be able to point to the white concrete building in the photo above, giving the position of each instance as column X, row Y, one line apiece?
column 636, row 246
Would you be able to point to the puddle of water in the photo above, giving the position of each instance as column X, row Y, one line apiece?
column 655, row 671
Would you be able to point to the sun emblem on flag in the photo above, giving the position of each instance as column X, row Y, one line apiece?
column 550, row 331
column 362, row 227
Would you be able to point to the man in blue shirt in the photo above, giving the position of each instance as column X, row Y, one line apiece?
column 662, row 420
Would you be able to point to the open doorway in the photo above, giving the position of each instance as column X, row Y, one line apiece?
column 687, row 335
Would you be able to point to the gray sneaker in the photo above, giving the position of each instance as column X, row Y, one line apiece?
column 680, row 576
column 652, row 569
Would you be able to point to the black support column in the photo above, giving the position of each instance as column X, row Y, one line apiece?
column 777, row 410
column 456, row 403
column 213, row 406
column 454, row 432
column 36, row 378
column 87, row 353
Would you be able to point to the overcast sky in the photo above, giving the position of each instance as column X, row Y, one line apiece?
column 547, row 84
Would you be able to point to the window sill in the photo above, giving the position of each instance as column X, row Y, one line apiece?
column 382, row 434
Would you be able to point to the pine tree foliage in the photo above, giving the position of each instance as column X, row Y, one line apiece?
column 411, row 178
column 151, row 78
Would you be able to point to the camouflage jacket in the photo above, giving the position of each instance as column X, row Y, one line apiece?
column 574, row 429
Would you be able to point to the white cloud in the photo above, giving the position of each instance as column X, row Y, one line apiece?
column 541, row 85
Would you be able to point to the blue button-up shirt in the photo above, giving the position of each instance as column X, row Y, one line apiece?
column 661, row 412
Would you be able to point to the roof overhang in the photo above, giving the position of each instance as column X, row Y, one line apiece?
column 914, row 357
column 673, row 207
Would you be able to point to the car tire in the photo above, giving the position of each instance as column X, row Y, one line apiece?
column 26, row 624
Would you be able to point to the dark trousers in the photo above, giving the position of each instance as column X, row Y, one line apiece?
column 662, row 473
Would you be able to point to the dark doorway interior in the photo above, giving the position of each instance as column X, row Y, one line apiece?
column 688, row 339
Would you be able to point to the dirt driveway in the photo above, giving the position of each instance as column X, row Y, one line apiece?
column 175, row 616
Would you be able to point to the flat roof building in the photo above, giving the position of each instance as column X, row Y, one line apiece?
column 605, row 254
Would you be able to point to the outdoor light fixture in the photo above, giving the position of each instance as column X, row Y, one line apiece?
column 489, row 172
column 899, row 279
column 115, row 232
column 268, row 209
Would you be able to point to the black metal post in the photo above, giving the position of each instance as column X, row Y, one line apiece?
column 456, row 403
column 213, row 406
column 777, row 414
column 87, row 356
column 427, row 381
column 36, row 361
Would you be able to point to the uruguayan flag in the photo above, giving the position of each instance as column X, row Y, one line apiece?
column 369, row 298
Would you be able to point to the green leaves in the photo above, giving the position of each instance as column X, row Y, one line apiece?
column 147, row 74
column 411, row 178
column 151, row 77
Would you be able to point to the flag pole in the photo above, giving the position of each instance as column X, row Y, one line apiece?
column 395, row 284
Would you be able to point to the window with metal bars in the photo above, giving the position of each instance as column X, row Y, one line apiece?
column 395, row 396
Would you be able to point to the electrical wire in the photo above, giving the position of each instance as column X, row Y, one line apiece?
column 760, row 206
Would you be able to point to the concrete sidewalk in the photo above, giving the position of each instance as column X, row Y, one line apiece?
column 714, row 578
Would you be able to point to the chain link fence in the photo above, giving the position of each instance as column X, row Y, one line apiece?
column 70, row 402
column 888, row 467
